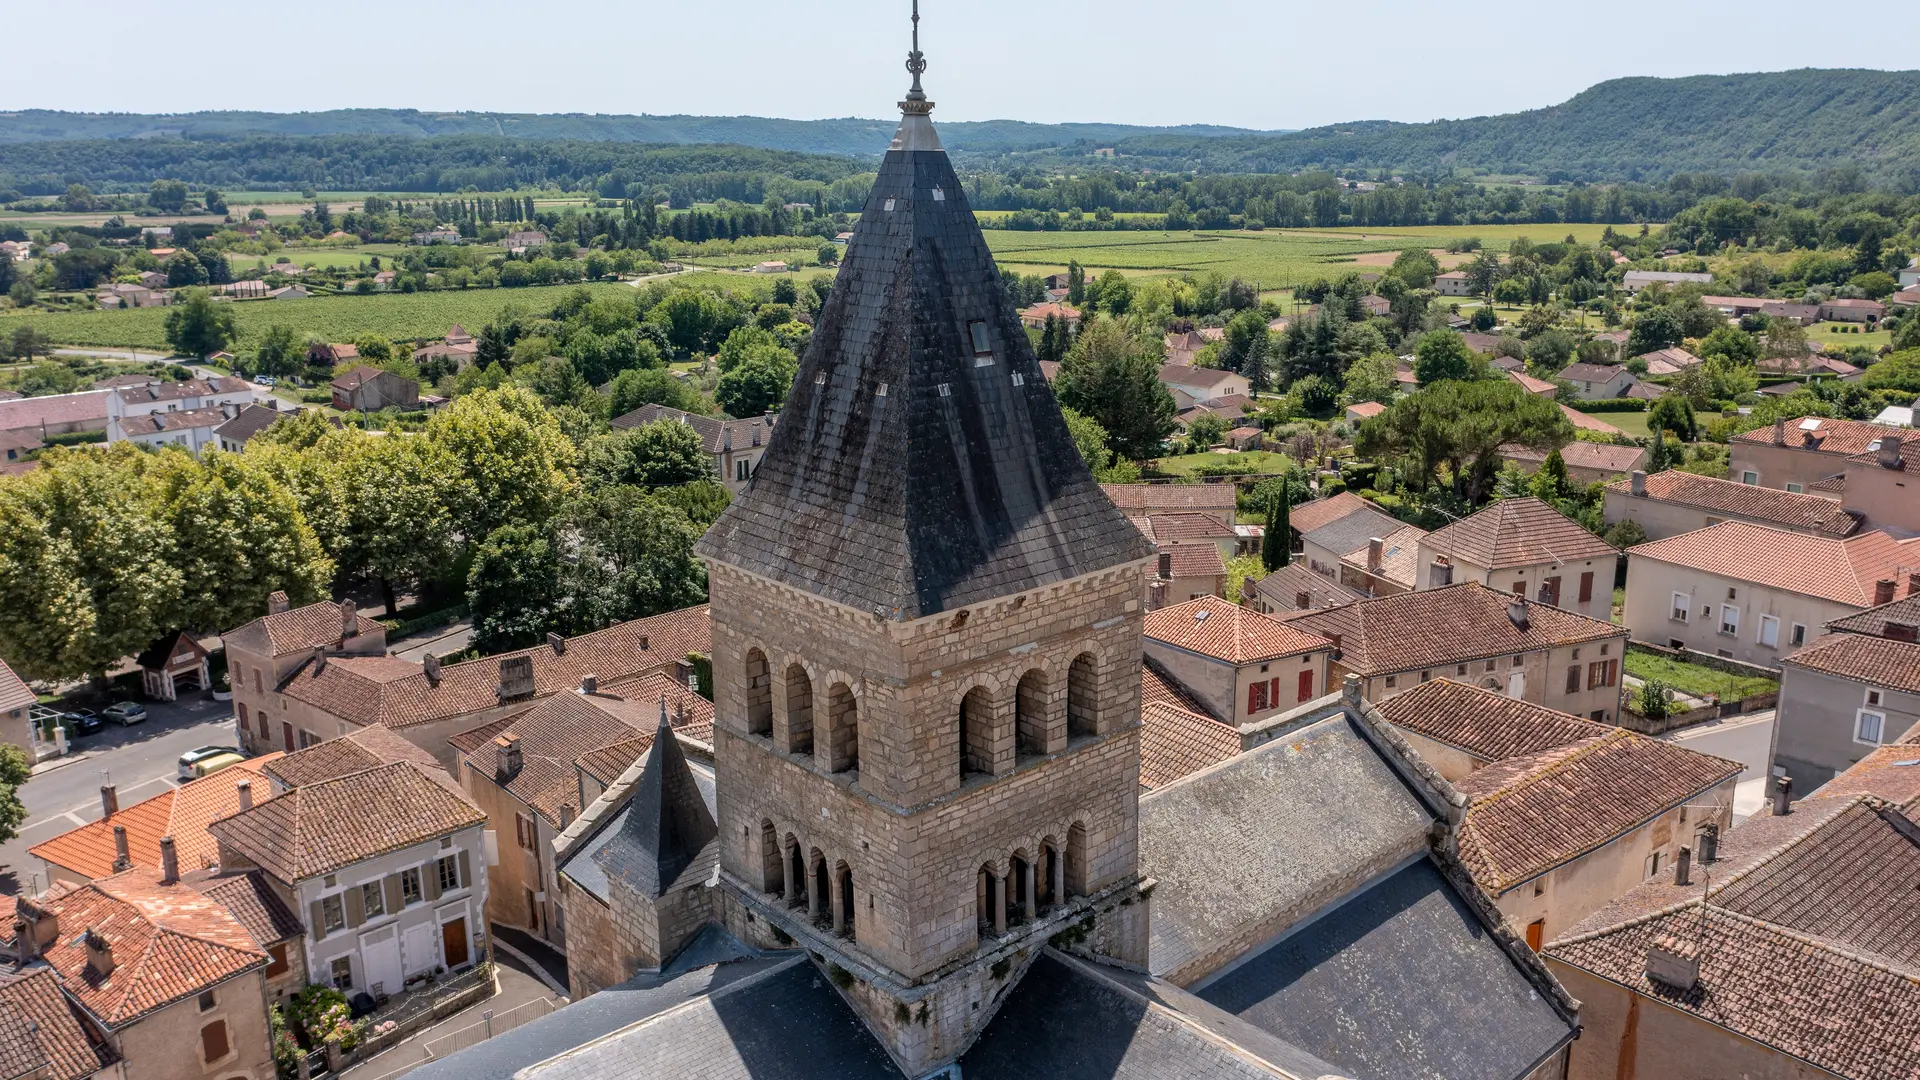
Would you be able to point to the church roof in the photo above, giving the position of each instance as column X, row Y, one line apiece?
column 921, row 463
column 666, row 827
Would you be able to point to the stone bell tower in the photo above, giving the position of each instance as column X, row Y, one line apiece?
column 926, row 643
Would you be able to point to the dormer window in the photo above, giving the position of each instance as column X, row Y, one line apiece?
column 981, row 342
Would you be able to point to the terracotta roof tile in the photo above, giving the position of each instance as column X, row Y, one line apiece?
column 1399, row 555
column 1531, row 814
column 1890, row 772
column 1167, row 527
column 1579, row 454
column 1282, row 589
column 1193, row 560
column 1156, row 498
column 1452, row 625
column 1900, row 613
column 249, row 899
column 43, row 1029
column 295, row 630
column 1843, row 571
column 714, row 432
column 1175, row 743
column 319, row 828
column 1787, row 509
column 1879, row 661
column 1319, row 513
column 182, row 813
column 1212, row 627
column 168, row 942
column 1486, row 724
column 13, row 693
column 1829, row 436
column 356, row 751
column 1517, row 532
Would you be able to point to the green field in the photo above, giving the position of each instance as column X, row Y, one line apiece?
column 1633, row 423
column 1696, row 679
column 325, row 257
column 1261, row 461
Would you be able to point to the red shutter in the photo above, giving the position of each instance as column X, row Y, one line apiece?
column 1613, row 673
column 1586, row 586
column 1273, row 693
column 1253, row 697
column 1306, row 685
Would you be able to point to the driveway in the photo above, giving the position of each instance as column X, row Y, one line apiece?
column 1747, row 739
column 140, row 761
column 521, row 997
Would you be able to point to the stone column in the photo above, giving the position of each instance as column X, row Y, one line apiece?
column 1059, row 879
column 999, row 905
column 839, row 904
column 1026, row 882
column 787, row 884
column 982, row 889
column 813, row 892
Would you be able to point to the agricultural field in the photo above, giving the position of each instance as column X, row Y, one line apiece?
column 319, row 256
column 1839, row 335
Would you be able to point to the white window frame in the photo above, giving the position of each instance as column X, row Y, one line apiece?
column 1682, row 610
column 1797, row 636
column 1875, row 699
column 1860, row 725
column 1769, row 632
column 1729, row 620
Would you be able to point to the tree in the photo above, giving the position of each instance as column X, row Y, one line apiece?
column 1673, row 412
column 632, row 557
column 631, row 389
column 702, row 501
column 1372, row 378
column 1417, row 267
column 184, row 270
column 1898, row 371
column 758, row 384
column 1109, row 376
column 513, row 464
column 664, row 453
column 15, row 771
column 1459, row 425
column 168, row 196
column 279, row 353
column 397, row 523
column 1440, row 355
column 1550, row 484
column 1732, row 343
column 199, row 327
column 238, row 536
column 1482, row 272
column 215, row 202
column 1654, row 329
column 374, row 349
column 1205, row 431
column 1276, row 548
column 514, row 590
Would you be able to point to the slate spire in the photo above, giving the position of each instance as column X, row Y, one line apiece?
column 667, row 820
column 921, row 463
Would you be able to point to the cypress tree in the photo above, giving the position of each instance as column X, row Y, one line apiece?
column 1276, row 550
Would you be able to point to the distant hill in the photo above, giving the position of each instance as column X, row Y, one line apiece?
column 1625, row 129
column 848, row 137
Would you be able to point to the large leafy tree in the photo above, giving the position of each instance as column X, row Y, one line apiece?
column 238, row 536
column 758, row 383
column 632, row 556
column 514, row 589
column 632, row 389
column 397, row 525
column 15, row 770
column 1110, row 376
column 661, row 454
column 512, row 461
column 199, row 327
column 1440, row 355
column 1459, row 426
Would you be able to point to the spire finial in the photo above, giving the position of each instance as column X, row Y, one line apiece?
column 916, row 60
column 665, row 724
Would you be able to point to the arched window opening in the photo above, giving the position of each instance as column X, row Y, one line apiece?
column 843, row 911
column 772, row 879
column 841, row 742
column 1083, row 699
column 759, row 694
column 1077, row 860
column 799, row 711
column 976, row 755
column 819, row 896
column 1020, row 887
column 1052, row 875
column 1030, row 713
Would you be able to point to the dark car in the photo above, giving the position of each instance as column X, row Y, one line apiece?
column 81, row 722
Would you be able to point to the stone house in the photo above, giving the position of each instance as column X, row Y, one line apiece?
column 1452, row 283
column 1850, row 691
column 1673, row 502
column 1562, row 815
column 526, row 773
column 1470, row 633
column 1192, row 527
column 264, row 652
column 1794, row 455
column 1587, row 462
column 1526, row 547
column 1864, row 311
column 1243, row 665
column 174, row 982
column 385, row 896
column 1753, row 592
column 1192, row 386
column 734, row 446
column 1185, row 571
column 370, row 389
column 1384, row 565
column 16, row 708
column 331, row 354
column 55, row 414
column 1599, row 382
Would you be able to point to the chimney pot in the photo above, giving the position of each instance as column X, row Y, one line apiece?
column 557, row 643
column 1375, row 549
column 1683, row 866
column 1913, row 583
column 244, row 789
column 99, row 952
column 1780, row 432
column 1890, row 452
column 319, row 659
column 122, row 858
column 349, row 620
column 169, row 862
column 1673, row 962
column 1709, row 843
column 506, row 752
column 277, row 602
column 109, row 800
column 589, row 684
column 1638, row 478
column 1782, row 796
column 1350, row 689
column 1883, row 591
column 1517, row 611
column 431, row 665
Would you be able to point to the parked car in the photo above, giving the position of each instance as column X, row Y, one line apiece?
column 194, row 757
column 211, row 765
column 125, row 713
column 80, row 722
column 264, row 380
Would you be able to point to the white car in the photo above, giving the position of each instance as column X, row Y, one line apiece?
column 264, row 380
column 194, row 757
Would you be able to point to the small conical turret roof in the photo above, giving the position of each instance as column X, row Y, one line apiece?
column 667, row 821
column 921, row 463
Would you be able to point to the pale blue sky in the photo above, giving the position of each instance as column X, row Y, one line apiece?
column 1253, row 63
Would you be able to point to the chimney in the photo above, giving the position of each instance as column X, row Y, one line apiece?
column 1166, row 566
column 277, row 602
column 1683, row 866
column 1890, row 452
column 319, row 659
column 42, row 927
column 1883, row 592
column 109, row 800
column 557, row 643
column 566, row 815
column 1517, row 611
column 244, row 789
column 169, row 862
column 1673, row 962
column 756, row 435
column 1901, row 631
column 1156, row 595
column 1441, row 572
column 122, row 858
column 685, row 675
column 1780, row 432
column 1638, row 478
column 726, row 439
column 643, row 643
column 1375, row 549
column 589, row 684
column 1709, row 843
column 349, row 619
column 1350, row 689
column 431, row 665
column 506, row 757
column 1782, row 796
column 1913, row 583
column 99, row 953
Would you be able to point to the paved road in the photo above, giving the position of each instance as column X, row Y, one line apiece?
column 1746, row 739
column 447, row 639
column 141, row 761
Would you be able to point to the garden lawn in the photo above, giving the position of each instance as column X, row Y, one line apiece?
column 1263, row 462
column 1696, row 679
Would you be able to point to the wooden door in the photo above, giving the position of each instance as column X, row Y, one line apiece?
column 286, row 734
column 1536, row 930
column 453, row 942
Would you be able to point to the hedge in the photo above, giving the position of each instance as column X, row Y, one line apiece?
column 77, row 438
column 1622, row 404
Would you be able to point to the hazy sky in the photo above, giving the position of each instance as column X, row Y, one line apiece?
column 1251, row 63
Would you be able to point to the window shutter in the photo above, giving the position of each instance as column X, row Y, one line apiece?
column 1586, row 586
column 466, row 868
column 213, row 1040
column 1613, row 673
column 430, row 881
column 317, row 924
column 392, row 885
column 1253, row 698
column 1306, row 685
column 1273, row 692
column 356, row 905
column 1573, row 678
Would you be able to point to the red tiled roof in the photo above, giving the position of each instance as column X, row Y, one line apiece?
column 13, row 692
column 1193, row 377
column 182, row 813
column 295, row 630
column 1485, row 723
column 716, row 435
column 356, row 751
column 1788, row 509
column 1160, row 498
column 41, row 1029
column 1451, row 625
column 1212, row 627
column 319, row 828
column 1532, row 385
column 1842, row 437
column 1891, row 772
column 1193, row 560
column 1531, row 814
column 54, row 409
column 1282, row 588
column 168, row 942
column 1168, row 527
column 1843, row 571
column 1364, row 409
column 249, row 899
column 1879, row 661
column 1175, row 743
column 1517, row 532
column 1399, row 555
column 1309, row 516
column 1580, row 454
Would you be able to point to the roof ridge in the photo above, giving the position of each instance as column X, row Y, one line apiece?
column 1594, row 744
column 1767, row 857
column 1873, row 960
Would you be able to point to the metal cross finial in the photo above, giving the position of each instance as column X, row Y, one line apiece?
column 916, row 61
